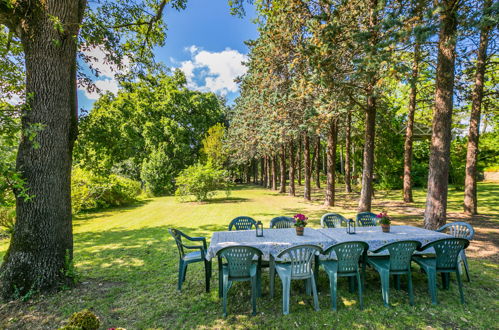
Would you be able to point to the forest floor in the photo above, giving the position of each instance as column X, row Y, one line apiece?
column 128, row 264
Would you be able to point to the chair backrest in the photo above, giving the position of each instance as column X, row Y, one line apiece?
column 239, row 259
column 366, row 219
column 300, row 257
column 333, row 220
column 400, row 254
column 242, row 223
column 459, row 230
column 282, row 222
column 447, row 251
column 177, row 235
column 348, row 255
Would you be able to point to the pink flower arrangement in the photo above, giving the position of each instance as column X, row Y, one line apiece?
column 383, row 218
column 300, row 220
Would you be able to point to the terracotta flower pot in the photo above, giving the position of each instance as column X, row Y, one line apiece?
column 299, row 231
column 385, row 228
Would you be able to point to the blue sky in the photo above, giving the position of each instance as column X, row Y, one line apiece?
column 203, row 40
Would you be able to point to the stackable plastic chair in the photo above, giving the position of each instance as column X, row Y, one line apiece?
column 446, row 261
column 282, row 222
column 366, row 219
column 346, row 264
column 240, row 266
column 296, row 265
column 460, row 230
column 242, row 223
column 333, row 220
column 188, row 258
column 397, row 263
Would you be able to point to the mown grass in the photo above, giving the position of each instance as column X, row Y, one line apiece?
column 128, row 267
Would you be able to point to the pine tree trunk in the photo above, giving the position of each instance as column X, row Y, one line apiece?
column 300, row 162
column 409, row 128
column 348, row 147
column 332, row 138
column 274, row 174
column 470, row 195
column 308, row 169
column 368, row 165
column 318, row 163
column 438, row 176
column 268, row 178
column 43, row 238
column 262, row 172
column 292, row 164
column 282, row 187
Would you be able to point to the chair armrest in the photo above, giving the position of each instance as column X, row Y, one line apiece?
column 199, row 239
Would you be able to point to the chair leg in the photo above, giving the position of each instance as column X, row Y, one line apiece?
column 397, row 282
column 220, row 279
column 460, row 285
column 308, row 287
column 361, row 300
column 254, row 293
column 314, row 293
column 286, row 287
column 432, row 285
column 259, row 282
column 351, row 284
column 181, row 270
column 410, row 289
column 385, row 287
column 272, row 279
column 465, row 262
column 224, row 294
column 185, row 272
column 333, row 286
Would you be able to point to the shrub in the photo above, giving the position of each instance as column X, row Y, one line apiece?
column 90, row 191
column 201, row 181
column 158, row 173
column 7, row 220
column 85, row 320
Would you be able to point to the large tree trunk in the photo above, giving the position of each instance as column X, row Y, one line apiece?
column 300, row 162
column 409, row 128
column 348, row 147
column 262, row 171
column 332, row 138
column 274, row 174
column 436, row 198
column 268, row 176
column 292, row 165
column 368, row 165
column 308, row 169
column 43, row 238
column 470, row 198
column 317, row 157
column 282, row 163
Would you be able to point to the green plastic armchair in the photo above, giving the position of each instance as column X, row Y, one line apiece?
column 346, row 264
column 366, row 219
column 460, row 230
column 333, row 220
column 188, row 258
column 239, row 266
column 446, row 261
column 242, row 223
column 397, row 263
column 282, row 222
column 296, row 264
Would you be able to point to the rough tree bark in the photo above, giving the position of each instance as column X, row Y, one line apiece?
column 300, row 161
column 348, row 147
column 43, row 238
column 282, row 163
column 470, row 198
column 262, row 172
column 274, row 174
column 410, row 125
column 436, row 199
column 308, row 169
column 332, row 138
column 268, row 175
column 317, row 157
column 292, row 165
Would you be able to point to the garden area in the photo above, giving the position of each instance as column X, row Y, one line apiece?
column 127, row 267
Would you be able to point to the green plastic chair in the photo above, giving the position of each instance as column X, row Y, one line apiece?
column 346, row 263
column 333, row 220
column 296, row 264
column 398, row 263
column 282, row 222
column 460, row 230
column 188, row 258
column 242, row 223
column 366, row 219
column 240, row 266
column 446, row 261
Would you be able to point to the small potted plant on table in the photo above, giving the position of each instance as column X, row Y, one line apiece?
column 300, row 223
column 384, row 220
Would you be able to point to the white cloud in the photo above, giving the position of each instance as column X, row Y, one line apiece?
column 104, row 86
column 213, row 71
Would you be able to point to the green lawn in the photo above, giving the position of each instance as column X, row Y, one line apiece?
column 128, row 266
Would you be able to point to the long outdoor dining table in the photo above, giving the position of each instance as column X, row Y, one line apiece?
column 275, row 241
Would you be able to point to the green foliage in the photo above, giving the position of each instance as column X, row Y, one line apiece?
column 85, row 320
column 90, row 191
column 69, row 270
column 457, row 168
column 201, row 181
column 158, row 173
column 7, row 220
column 213, row 146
